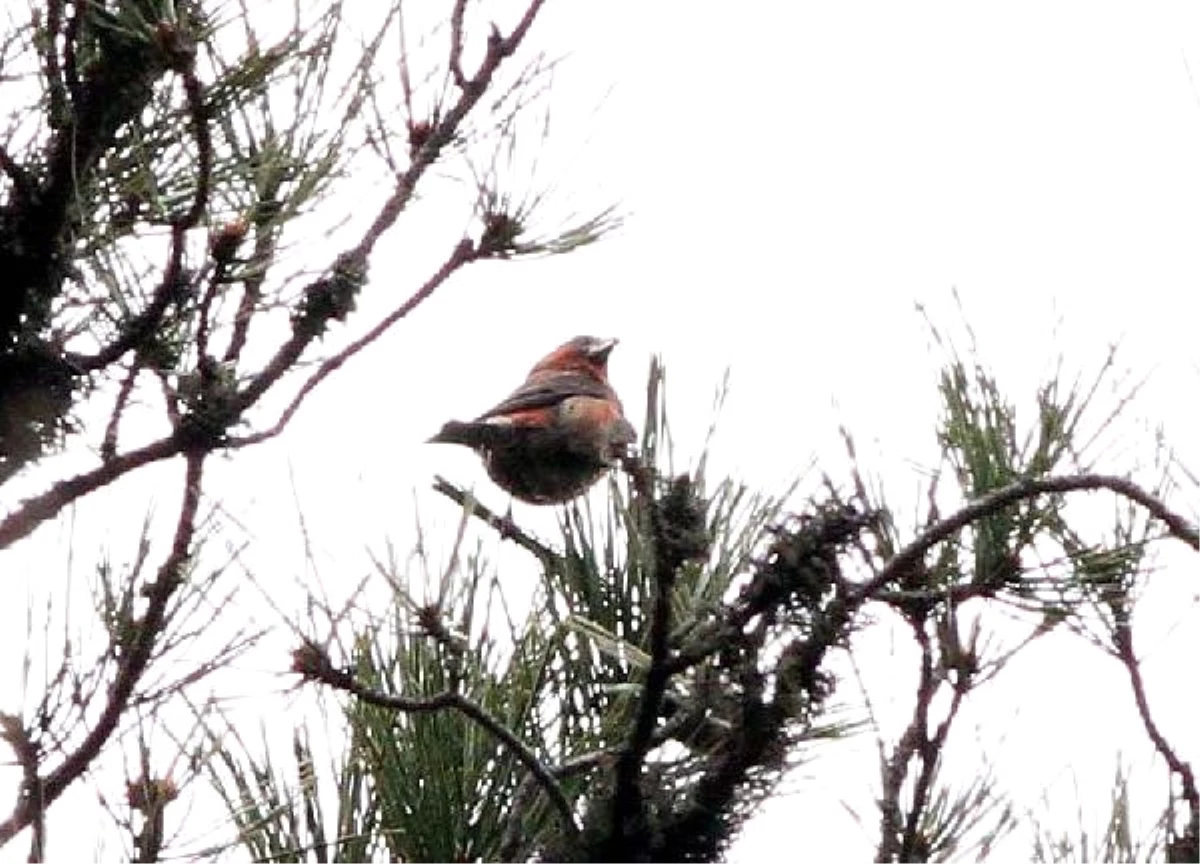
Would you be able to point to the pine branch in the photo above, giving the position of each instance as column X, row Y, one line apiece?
column 993, row 502
column 464, row 253
column 503, row 525
column 314, row 664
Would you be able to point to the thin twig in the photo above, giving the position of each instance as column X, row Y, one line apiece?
column 135, row 657
column 709, row 639
column 892, row 842
column 198, row 114
column 456, row 43
column 27, row 752
column 918, row 742
column 1123, row 639
column 356, row 258
column 503, row 525
column 266, row 208
column 499, row 49
column 462, row 254
column 108, row 447
column 172, row 285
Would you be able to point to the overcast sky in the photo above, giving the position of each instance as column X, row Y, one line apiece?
column 797, row 178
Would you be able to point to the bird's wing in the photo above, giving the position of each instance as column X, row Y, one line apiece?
column 547, row 393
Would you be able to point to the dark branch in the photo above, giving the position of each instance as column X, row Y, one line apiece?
column 134, row 659
column 463, row 254
column 28, row 755
column 173, row 287
column 198, row 113
column 116, row 89
column 1123, row 639
column 350, row 270
column 800, row 564
column 22, row 185
column 909, row 843
column 504, row 525
column 70, row 52
column 54, row 80
column 499, row 48
column 265, row 241
column 1006, row 496
column 674, row 527
column 456, row 43
column 108, row 447
column 34, row 511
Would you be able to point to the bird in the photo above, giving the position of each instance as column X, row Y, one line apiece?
column 558, row 433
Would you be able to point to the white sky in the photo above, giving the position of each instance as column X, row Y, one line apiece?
column 798, row 177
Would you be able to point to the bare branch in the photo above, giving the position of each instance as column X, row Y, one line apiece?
column 456, row 43
column 265, row 241
column 504, row 525
column 16, row 736
column 34, row 511
column 108, row 447
column 1123, row 638
column 70, row 43
column 54, row 81
column 133, row 660
column 499, row 48
column 198, row 113
column 463, row 253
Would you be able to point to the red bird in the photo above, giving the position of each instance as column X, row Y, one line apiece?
column 557, row 433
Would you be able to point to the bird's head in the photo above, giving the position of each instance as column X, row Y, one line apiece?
column 583, row 354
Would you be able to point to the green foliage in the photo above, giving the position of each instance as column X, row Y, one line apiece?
column 563, row 676
column 281, row 813
column 569, row 673
column 1111, row 838
column 161, row 162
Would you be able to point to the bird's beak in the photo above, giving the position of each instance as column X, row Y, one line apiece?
column 603, row 348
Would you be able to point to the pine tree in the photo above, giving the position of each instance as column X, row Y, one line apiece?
column 164, row 167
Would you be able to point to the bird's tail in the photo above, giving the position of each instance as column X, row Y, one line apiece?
column 474, row 435
column 455, row 432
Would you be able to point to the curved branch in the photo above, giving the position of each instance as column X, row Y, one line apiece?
column 498, row 49
column 313, row 663
column 456, row 42
column 1123, row 637
column 1006, row 496
column 897, row 834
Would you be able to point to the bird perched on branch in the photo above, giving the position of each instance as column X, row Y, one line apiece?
column 557, row 433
